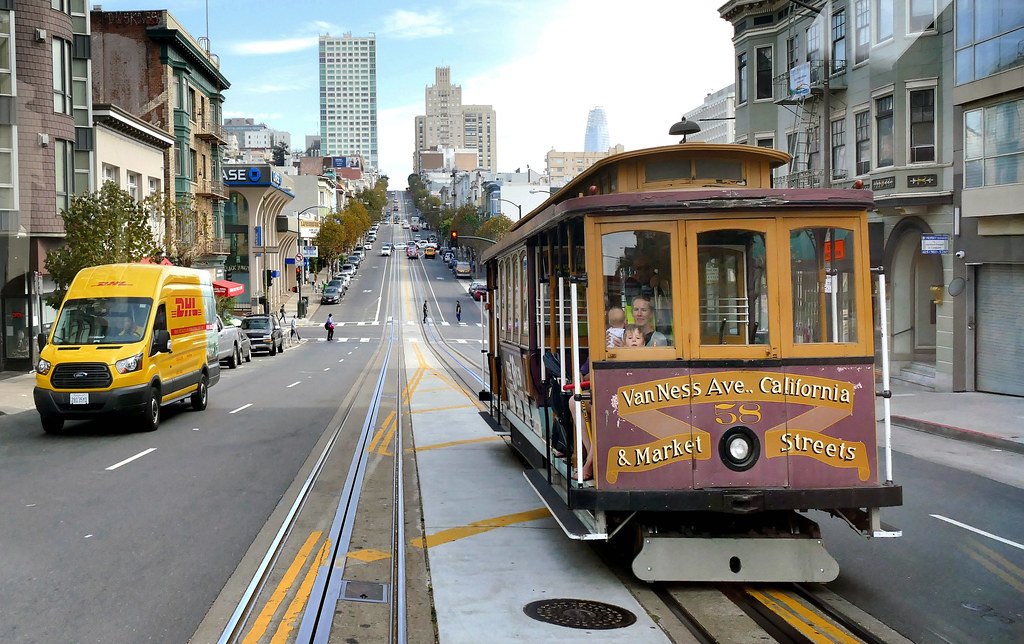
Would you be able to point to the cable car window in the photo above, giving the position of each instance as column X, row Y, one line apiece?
column 733, row 287
column 636, row 267
column 524, row 301
column 824, row 296
column 719, row 169
column 672, row 169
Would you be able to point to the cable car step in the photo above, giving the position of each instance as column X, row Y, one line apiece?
column 566, row 518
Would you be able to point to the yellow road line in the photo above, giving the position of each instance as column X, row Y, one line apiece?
column 419, row 356
column 380, row 432
column 994, row 569
column 368, row 555
column 259, row 627
column 478, row 527
column 451, row 383
column 800, row 621
column 485, row 439
column 301, row 597
column 431, row 409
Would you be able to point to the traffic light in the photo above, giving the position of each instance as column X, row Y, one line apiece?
column 454, row 239
column 227, row 275
column 270, row 277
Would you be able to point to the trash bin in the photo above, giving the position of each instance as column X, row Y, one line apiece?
column 303, row 306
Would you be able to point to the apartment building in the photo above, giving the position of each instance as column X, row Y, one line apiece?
column 46, row 156
column 563, row 167
column 348, row 97
column 860, row 91
column 177, row 87
column 450, row 124
column 716, row 117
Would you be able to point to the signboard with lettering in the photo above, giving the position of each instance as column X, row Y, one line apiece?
column 250, row 175
column 311, row 251
column 937, row 244
column 922, row 180
column 885, row 183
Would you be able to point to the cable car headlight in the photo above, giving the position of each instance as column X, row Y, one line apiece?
column 739, row 448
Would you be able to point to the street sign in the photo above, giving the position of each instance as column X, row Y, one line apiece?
column 311, row 251
column 935, row 244
column 298, row 258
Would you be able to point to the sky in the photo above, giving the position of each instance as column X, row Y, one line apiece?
column 542, row 64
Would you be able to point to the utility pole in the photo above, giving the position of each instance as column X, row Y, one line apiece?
column 825, row 138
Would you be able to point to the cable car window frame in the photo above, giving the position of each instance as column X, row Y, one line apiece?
column 767, row 226
column 855, row 221
column 597, row 227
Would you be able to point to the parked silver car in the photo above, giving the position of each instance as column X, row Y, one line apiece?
column 233, row 346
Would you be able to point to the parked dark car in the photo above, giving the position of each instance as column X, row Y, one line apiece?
column 331, row 295
column 478, row 290
column 265, row 333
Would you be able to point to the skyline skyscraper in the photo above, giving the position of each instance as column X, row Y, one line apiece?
column 597, row 139
column 348, row 97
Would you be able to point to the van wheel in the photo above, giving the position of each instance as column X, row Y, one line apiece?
column 273, row 348
column 234, row 359
column 151, row 416
column 52, row 424
column 201, row 395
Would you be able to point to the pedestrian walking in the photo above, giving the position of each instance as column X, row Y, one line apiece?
column 424, row 311
column 329, row 325
column 295, row 328
column 458, row 311
column 283, row 317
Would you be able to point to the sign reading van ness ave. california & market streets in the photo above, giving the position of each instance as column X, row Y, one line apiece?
column 764, row 401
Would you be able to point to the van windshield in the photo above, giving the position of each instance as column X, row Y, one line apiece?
column 109, row 320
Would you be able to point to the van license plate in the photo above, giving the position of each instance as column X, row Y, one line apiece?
column 79, row 399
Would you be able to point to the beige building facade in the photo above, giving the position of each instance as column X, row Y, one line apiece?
column 450, row 124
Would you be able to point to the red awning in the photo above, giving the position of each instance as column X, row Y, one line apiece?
column 224, row 288
column 163, row 262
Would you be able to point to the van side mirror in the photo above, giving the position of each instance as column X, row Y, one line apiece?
column 41, row 340
column 161, row 342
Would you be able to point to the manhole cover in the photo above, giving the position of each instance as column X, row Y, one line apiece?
column 579, row 613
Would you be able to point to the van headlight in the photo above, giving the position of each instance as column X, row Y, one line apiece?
column 43, row 367
column 128, row 365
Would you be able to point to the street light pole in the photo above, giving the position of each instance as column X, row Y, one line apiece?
column 520, row 208
column 302, row 266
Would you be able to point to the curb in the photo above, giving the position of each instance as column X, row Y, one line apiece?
column 959, row 433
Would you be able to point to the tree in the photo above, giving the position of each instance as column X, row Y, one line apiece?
column 330, row 239
column 103, row 227
column 191, row 229
column 495, row 228
column 279, row 153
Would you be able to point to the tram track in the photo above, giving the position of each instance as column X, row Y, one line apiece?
column 784, row 613
column 329, row 587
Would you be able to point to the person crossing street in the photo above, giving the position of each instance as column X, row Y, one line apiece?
column 329, row 325
column 424, row 311
column 458, row 311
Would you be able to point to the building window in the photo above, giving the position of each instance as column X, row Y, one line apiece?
column 921, row 16
column 61, row 76
column 791, row 139
column 110, row 174
column 814, row 148
column 988, row 37
column 839, row 149
column 64, row 6
column 741, row 78
column 64, row 168
column 764, row 73
column 993, row 148
column 838, row 41
column 862, row 124
column 814, row 51
column 862, row 38
column 133, row 185
column 766, row 142
column 883, row 130
column 154, row 186
column 883, row 20
column 922, row 125
column 792, row 51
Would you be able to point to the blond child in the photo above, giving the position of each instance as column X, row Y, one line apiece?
column 616, row 326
